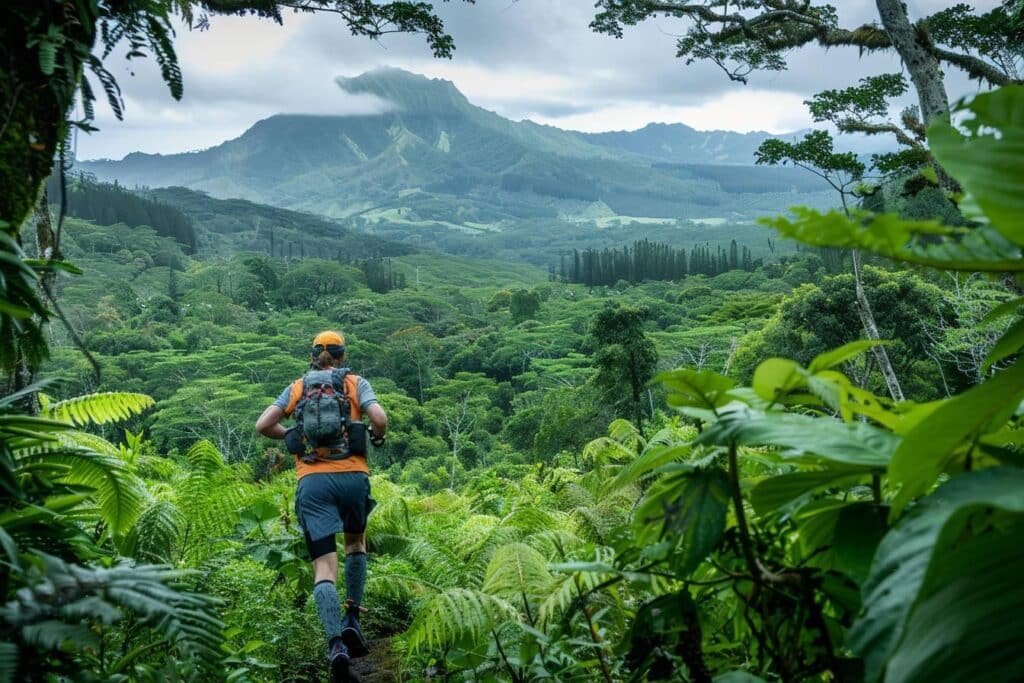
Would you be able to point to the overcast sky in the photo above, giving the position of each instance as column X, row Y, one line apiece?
column 525, row 59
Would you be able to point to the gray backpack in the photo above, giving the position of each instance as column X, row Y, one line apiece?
column 323, row 414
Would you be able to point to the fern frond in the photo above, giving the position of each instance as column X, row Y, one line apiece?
column 458, row 616
column 90, row 442
column 119, row 494
column 436, row 562
column 99, row 408
column 554, row 544
column 517, row 571
column 69, row 596
column 155, row 534
column 204, row 458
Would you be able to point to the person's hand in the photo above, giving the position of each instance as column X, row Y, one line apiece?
column 377, row 441
column 293, row 441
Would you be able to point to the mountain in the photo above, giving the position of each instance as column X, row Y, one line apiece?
column 679, row 143
column 434, row 161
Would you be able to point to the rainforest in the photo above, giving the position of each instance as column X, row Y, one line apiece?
column 662, row 404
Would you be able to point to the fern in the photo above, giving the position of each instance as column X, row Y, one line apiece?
column 458, row 616
column 517, row 571
column 204, row 458
column 91, row 442
column 119, row 494
column 99, row 408
column 155, row 535
column 55, row 610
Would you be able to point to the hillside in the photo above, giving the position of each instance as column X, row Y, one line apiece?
column 436, row 162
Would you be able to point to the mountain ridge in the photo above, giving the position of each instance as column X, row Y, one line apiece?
column 432, row 158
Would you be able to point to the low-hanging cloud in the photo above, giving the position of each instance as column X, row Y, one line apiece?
column 524, row 59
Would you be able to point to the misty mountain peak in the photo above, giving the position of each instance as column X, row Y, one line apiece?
column 407, row 91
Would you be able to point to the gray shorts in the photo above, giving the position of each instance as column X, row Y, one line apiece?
column 329, row 502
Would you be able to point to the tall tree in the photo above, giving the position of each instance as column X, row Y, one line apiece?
column 625, row 358
column 758, row 35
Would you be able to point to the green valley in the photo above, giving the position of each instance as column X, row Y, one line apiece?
column 413, row 391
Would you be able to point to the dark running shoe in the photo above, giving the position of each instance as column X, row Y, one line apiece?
column 339, row 661
column 351, row 634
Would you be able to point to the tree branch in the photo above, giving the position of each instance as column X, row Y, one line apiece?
column 976, row 68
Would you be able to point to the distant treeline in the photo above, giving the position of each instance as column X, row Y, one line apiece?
column 380, row 276
column 109, row 204
column 647, row 260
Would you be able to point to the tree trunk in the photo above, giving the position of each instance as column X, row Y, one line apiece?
column 925, row 70
column 24, row 373
column 867, row 320
column 33, row 105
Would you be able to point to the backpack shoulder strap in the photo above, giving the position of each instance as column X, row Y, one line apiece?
column 338, row 376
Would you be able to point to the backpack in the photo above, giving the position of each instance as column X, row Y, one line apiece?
column 323, row 417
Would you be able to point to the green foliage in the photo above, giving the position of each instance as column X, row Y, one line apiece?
column 98, row 408
column 625, row 357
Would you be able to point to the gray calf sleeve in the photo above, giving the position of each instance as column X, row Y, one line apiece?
column 355, row 576
column 326, row 598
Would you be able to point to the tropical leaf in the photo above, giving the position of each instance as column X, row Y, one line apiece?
column 967, row 622
column 854, row 444
column 948, row 431
column 906, row 572
column 987, row 160
column 696, row 388
column 99, row 408
column 926, row 243
column 772, row 493
column 457, row 616
column 1011, row 342
column 684, row 514
column 91, row 442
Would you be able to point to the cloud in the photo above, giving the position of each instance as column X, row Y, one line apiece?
column 521, row 58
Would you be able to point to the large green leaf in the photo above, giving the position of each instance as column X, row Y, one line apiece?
column 908, row 554
column 968, row 623
column 1011, row 342
column 855, row 444
column 989, row 160
column 685, row 512
column 838, row 356
column 773, row 493
column 947, row 431
column 926, row 243
column 696, row 388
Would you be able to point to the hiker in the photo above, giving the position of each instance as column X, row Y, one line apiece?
column 333, row 493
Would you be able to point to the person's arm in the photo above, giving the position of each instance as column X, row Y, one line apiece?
column 378, row 420
column 269, row 423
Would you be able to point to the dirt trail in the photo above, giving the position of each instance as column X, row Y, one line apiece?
column 380, row 666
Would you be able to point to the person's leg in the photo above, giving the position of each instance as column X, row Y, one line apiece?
column 325, row 594
column 319, row 517
column 355, row 567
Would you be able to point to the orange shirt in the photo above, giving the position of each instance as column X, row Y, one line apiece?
column 353, row 463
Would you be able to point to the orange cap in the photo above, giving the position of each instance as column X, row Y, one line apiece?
column 329, row 338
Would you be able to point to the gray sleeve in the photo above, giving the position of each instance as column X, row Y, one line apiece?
column 282, row 400
column 367, row 397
